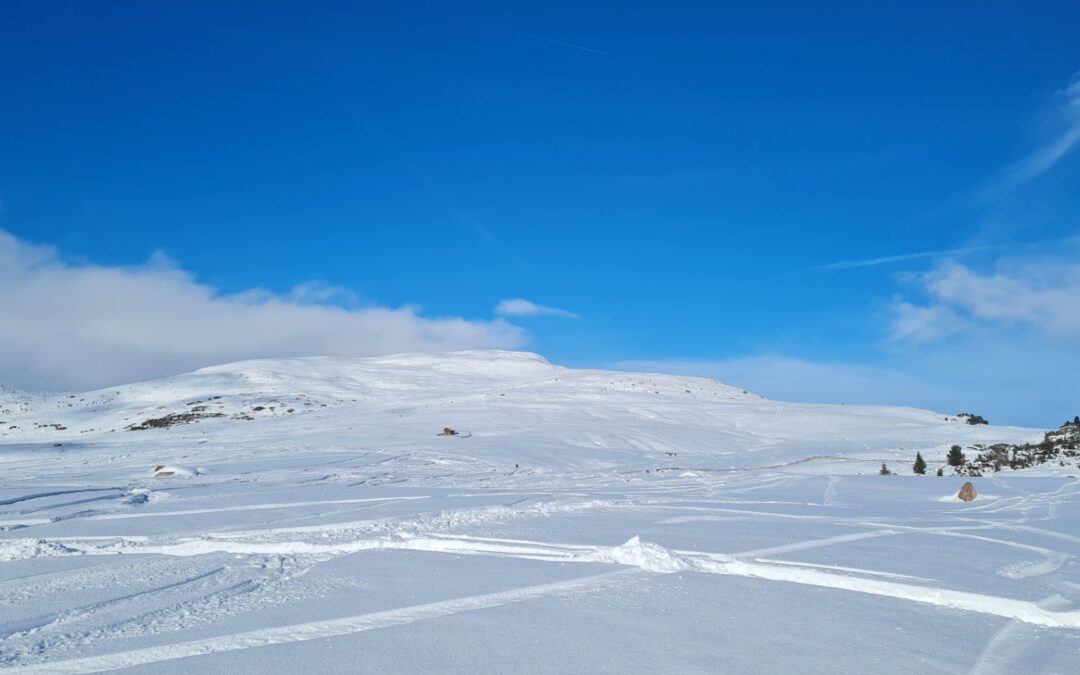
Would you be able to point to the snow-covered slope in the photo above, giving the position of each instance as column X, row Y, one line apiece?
column 518, row 408
column 304, row 515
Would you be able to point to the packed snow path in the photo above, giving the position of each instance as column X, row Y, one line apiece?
column 590, row 524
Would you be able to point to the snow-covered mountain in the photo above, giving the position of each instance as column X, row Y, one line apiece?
column 311, row 514
column 517, row 407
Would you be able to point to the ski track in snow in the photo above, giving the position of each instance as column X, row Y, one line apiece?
column 637, row 554
column 249, row 507
column 1004, row 652
column 434, row 533
column 268, row 542
column 316, row 630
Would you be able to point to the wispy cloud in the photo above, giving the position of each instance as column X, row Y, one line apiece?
column 793, row 379
column 925, row 324
column 553, row 41
column 521, row 307
column 903, row 257
column 482, row 231
column 1045, row 157
column 421, row 176
column 1041, row 293
column 1011, row 379
column 77, row 326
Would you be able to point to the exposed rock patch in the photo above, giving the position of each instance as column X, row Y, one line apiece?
column 172, row 420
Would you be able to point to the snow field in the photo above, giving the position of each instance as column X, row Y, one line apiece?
column 590, row 524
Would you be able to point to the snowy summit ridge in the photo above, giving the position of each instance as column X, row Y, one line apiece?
column 517, row 407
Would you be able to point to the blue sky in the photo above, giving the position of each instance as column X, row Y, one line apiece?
column 865, row 203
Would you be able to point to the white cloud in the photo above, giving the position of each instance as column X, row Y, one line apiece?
column 520, row 307
column 1023, row 380
column 1014, row 336
column 1040, row 293
column 76, row 326
column 924, row 324
column 1003, row 342
column 1043, row 158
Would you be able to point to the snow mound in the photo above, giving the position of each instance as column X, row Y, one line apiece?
column 25, row 549
column 636, row 553
column 137, row 496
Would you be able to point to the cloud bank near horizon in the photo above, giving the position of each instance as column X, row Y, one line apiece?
column 68, row 326
column 1002, row 341
column 994, row 380
column 785, row 378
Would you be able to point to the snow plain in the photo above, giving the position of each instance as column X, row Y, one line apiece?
column 591, row 521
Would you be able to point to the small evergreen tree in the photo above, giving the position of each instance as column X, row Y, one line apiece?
column 941, row 471
column 920, row 464
column 956, row 456
column 884, row 470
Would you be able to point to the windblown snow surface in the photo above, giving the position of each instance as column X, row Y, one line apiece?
column 302, row 515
